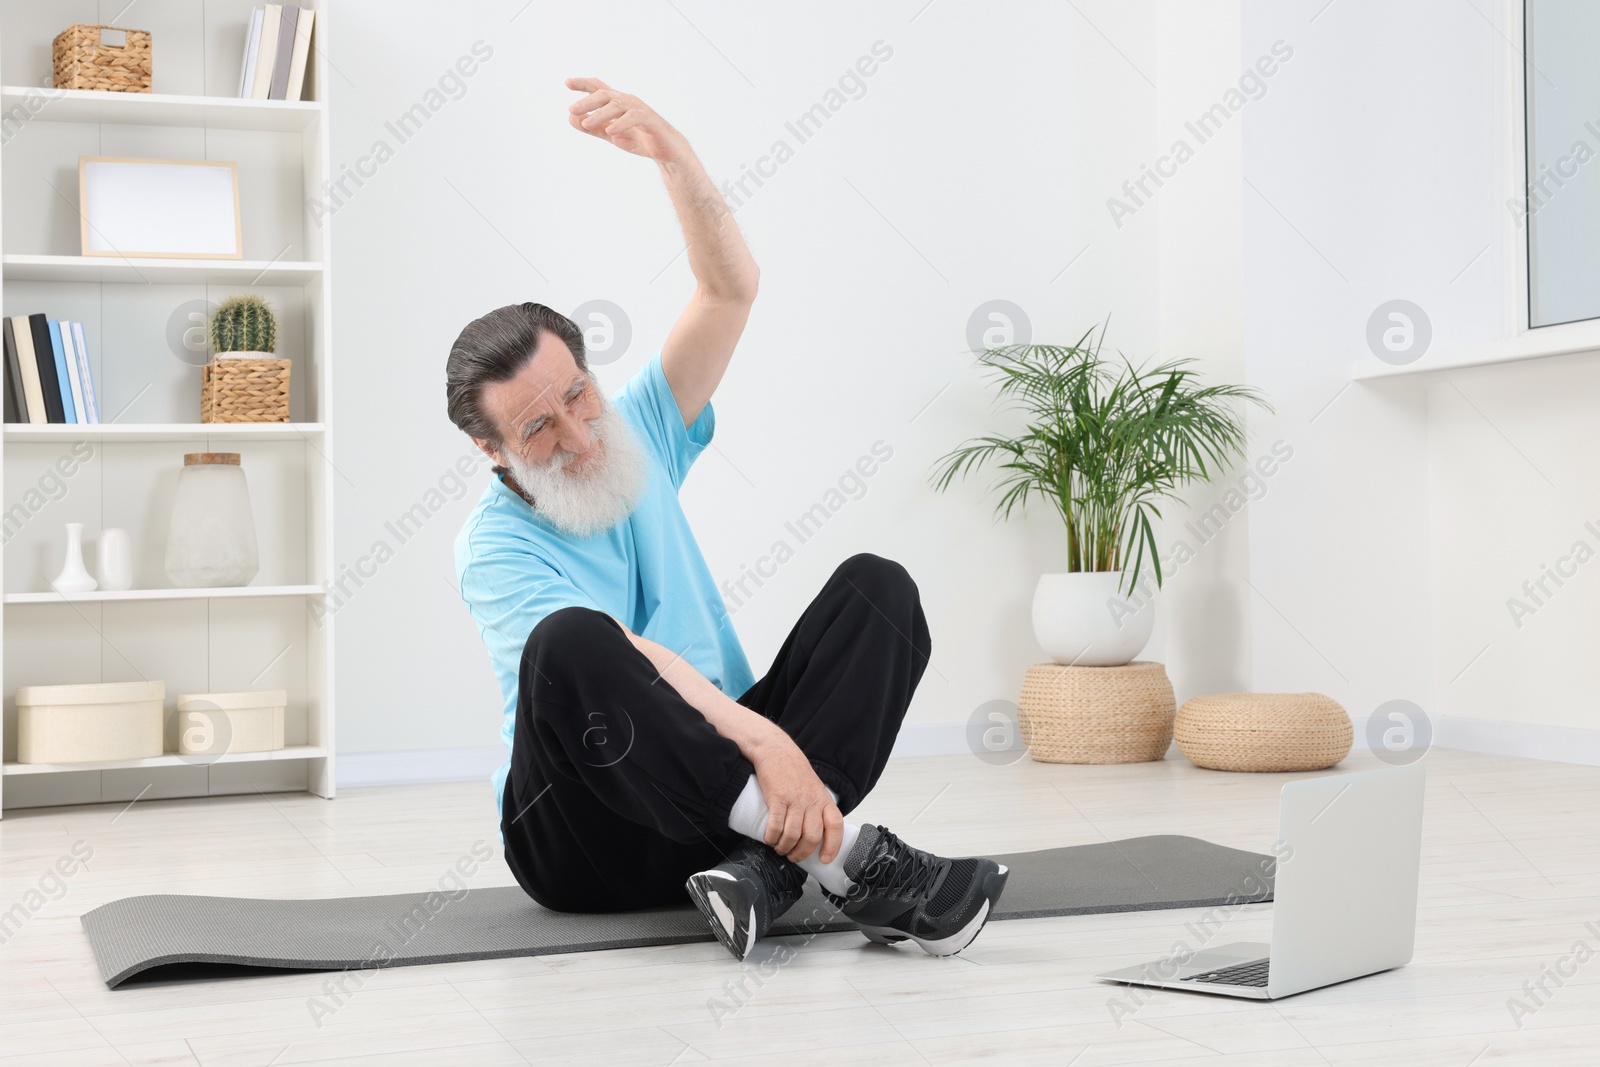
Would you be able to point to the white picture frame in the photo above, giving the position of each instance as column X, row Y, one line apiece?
column 159, row 208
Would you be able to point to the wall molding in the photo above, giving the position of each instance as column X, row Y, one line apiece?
column 419, row 765
column 1560, row 744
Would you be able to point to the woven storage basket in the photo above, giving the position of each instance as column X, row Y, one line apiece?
column 1264, row 731
column 245, row 390
column 1096, row 714
column 83, row 61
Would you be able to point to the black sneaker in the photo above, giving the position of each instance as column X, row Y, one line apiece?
column 901, row 892
column 743, row 895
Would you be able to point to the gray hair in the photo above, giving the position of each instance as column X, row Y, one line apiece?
column 494, row 348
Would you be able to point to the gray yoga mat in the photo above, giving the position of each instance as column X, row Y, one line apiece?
column 159, row 935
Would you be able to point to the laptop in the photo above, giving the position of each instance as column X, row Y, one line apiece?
column 1344, row 898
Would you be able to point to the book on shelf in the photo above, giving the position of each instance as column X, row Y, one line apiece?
column 47, row 377
column 300, row 58
column 69, row 388
column 16, row 396
column 280, row 64
column 74, row 371
column 82, row 351
column 23, row 375
column 38, row 342
column 252, row 39
column 266, row 50
column 276, row 50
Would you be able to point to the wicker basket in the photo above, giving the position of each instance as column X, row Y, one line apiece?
column 1096, row 714
column 1264, row 731
column 245, row 390
column 83, row 61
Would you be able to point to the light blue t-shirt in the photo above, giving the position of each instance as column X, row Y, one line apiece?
column 514, row 568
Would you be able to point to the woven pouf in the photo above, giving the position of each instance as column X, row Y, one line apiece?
column 1096, row 714
column 1264, row 731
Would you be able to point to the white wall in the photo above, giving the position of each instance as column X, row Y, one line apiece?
column 1352, row 197
column 1203, row 612
column 975, row 166
column 1414, row 508
column 1373, row 563
column 1514, row 493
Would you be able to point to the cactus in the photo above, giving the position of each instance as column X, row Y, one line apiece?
column 244, row 324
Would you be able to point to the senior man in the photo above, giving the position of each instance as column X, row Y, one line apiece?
column 645, row 758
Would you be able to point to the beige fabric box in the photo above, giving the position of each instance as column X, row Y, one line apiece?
column 89, row 722
column 216, row 724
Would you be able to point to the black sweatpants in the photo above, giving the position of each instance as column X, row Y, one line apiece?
column 620, row 789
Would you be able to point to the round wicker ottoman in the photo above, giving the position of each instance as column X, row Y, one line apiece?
column 1264, row 731
column 1096, row 714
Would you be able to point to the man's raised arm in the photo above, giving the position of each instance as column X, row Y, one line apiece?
column 697, row 349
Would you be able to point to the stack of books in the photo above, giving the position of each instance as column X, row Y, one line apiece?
column 47, row 371
column 275, row 53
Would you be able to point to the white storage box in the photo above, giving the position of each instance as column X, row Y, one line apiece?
column 89, row 722
column 215, row 724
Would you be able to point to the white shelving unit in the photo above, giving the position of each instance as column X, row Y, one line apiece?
column 169, row 109
column 272, row 633
column 217, row 433
column 139, row 271
column 164, row 594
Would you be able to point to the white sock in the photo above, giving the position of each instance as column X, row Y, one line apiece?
column 749, row 817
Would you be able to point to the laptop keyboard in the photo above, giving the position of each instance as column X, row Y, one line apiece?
column 1253, row 973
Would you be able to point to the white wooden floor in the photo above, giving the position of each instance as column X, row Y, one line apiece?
column 1511, row 873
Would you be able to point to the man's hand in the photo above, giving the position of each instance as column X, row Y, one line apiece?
column 801, row 814
column 696, row 350
column 625, row 121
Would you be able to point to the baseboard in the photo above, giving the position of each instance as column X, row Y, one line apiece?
column 931, row 739
column 406, row 767
column 411, row 766
column 357, row 769
column 1562, row 744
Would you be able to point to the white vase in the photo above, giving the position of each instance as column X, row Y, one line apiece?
column 114, row 559
column 1081, row 619
column 74, row 576
column 212, row 539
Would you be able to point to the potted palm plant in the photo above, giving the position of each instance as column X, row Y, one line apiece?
column 1105, row 443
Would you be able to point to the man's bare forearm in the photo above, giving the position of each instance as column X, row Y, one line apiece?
column 718, row 256
column 748, row 729
column 802, row 813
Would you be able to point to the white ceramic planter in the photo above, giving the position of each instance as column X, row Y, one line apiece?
column 1082, row 620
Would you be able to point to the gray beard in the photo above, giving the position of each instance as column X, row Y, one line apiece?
column 582, row 505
